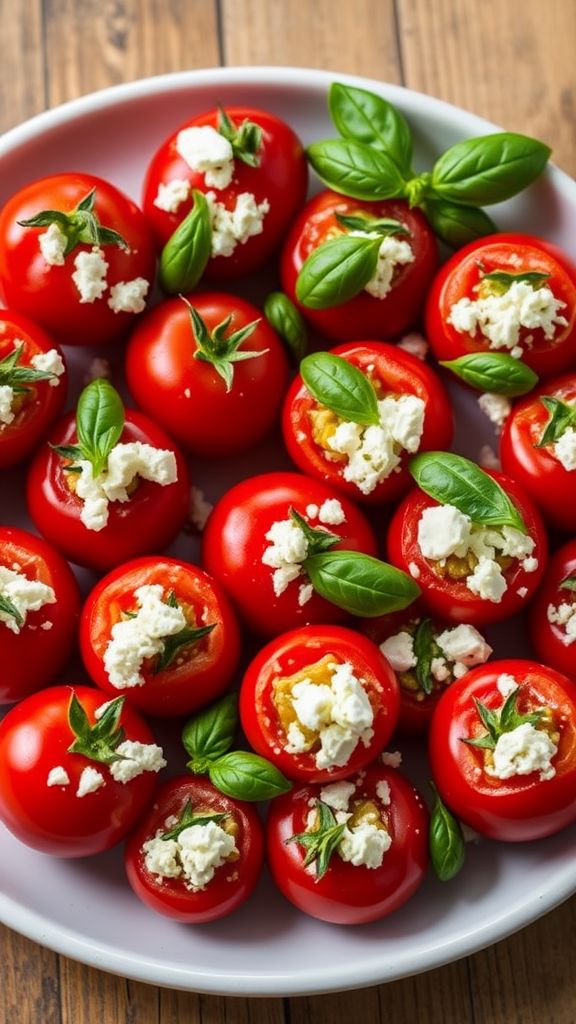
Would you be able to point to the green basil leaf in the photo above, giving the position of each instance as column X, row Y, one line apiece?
column 382, row 226
column 488, row 169
column 288, row 323
column 501, row 277
column 186, row 253
column 341, row 387
column 99, row 422
column 569, row 583
column 424, row 652
column 246, row 776
column 360, row 584
column 453, row 480
column 176, row 643
column 493, row 371
column 457, row 225
column 356, row 170
column 210, row 734
column 318, row 539
column 447, row 847
column 366, row 117
column 561, row 417
column 337, row 271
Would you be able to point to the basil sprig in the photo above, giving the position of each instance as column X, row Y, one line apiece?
column 569, row 583
column 337, row 270
column 99, row 425
column 504, row 719
column 97, row 742
column 561, row 416
column 288, row 323
column 80, row 225
column 453, row 480
column 221, row 347
column 186, row 253
column 13, row 375
column 447, row 847
column 341, row 387
column 188, row 818
column 360, row 584
column 493, row 371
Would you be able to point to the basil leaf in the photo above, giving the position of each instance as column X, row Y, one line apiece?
column 174, row 644
column 288, row 322
column 488, row 169
column 337, row 271
column 493, row 371
column 561, row 417
column 246, row 776
column 453, row 480
column 447, row 848
column 569, row 583
column 99, row 422
column 360, row 584
column 356, row 170
column 457, row 225
column 341, row 387
column 318, row 538
column 424, row 652
column 366, row 117
column 210, row 734
column 186, row 253
column 383, row 226
column 532, row 277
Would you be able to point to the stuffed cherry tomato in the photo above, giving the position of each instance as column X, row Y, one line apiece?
column 503, row 750
column 251, row 167
column 510, row 293
column 33, row 383
column 197, row 854
column 110, row 485
column 161, row 632
column 398, row 408
column 538, row 449
column 404, row 263
column 553, row 613
column 39, row 610
column 349, row 852
column 213, row 374
column 76, row 774
column 76, row 255
column 319, row 702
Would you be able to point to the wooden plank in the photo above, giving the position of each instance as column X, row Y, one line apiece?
column 29, row 990
column 177, row 1007
column 89, row 996
column 21, row 70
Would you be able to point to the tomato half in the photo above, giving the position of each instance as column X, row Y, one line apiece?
column 551, row 634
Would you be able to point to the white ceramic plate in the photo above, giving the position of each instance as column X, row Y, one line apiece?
column 86, row 909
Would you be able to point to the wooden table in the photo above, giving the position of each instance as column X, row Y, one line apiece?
column 508, row 60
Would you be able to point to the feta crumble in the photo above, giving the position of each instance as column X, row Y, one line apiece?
column 506, row 684
column 53, row 244
column 339, row 713
column 415, row 344
column 90, row 274
column 129, row 296
column 136, row 759
column 399, row 651
column 364, row 845
column 90, row 780
column 565, row 449
column 285, row 554
column 383, row 792
column 391, row 758
column 499, row 318
column 337, row 795
column 331, row 513
column 58, row 776
column 6, row 399
column 171, row 195
column 196, row 854
column 522, row 751
column 49, row 362
column 234, row 227
column 564, row 616
column 125, row 463
column 133, row 640
column 199, row 509
column 464, row 645
column 393, row 252
column 26, row 596
column 496, row 407
column 207, row 152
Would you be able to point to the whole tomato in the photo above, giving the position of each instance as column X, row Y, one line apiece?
column 553, row 613
column 285, row 723
column 215, row 385
column 498, row 783
column 72, row 283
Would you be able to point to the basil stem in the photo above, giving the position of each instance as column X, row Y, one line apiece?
column 210, row 734
column 356, row 169
column 360, row 584
column 493, row 371
column 447, row 848
column 453, row 480
column 337, row 270
column 368, row 118
column 341, row 387
column 246, row 776
column 186, row 253
column 288, row 322
column 99, row 422
column 488, row 169
column 457, row 225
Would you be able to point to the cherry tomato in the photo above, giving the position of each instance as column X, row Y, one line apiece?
column 364, row 316
column 171, row 380
column 233, row 879
column 318, row 654
column 349, row 893
column 279, row 180
column 47, row 292
column 34, row 651
column 540, row 472
column 187, row 672
column 509, row 254
column 235, row 540
column 522, row 805
column 392, row 372
column 49, row 813
column 551, row 633
column 147, row 522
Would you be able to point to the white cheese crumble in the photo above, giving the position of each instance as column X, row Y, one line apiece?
column 49, row 362
column 305, row 592
column 58, row 776
column 414, row 570
column 90, row 780
column 337, row 795
column 488, row 459
column 364, row 845
column 133, row 640
column 26, row 596
column 287, row 550
column 136, row 759
column 442, row 530
column 331, row 512
column 53, row 244
column 565, row 449
column 234, row 227
column 339, row 713
column 207, row 152
column 196, row 854
column 464, row 645
column 383, row 792
column 496, row 407
column 98, row 368
column 391, row 758
column 522, row 751
column 90, row 274
column 500, row 317
column 506, row 684
column 415, row 344
column 199, row 509
column 393, row 252
column 399, row 651
column 125, row 463
column 6, row 400
column 564, row 615
column 171, row 195
column 129, row 296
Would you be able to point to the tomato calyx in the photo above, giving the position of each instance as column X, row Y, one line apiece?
column 217, row 347
column 498, row 282
column 15, row 376
column 97, row 742
column 99, row 426
column 188, row 818
column 245, row 139
column 80, row 225
column 174, row 644
column 505, row 719
column 318, row 539
column 322, row 842
column 561, row 417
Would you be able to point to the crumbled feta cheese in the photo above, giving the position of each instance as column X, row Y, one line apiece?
column 234, row 227
column 53, row 244
column 464, row 644
column 506, row 684
column 496, row 407
column 133, row 640
column 442, row 529
column 98, row 368
column 530, row 564
column 102, row 708
column 331, row 513
column 439, row 669
column 500, row 317
column 171, row 195
column 414, row 570
column 487, row 581
column 415, row 344
column 199, row 509
column 522, row 591
column 26, row 596
column 488, row 458
column 564, row 615
column 364, row 845
column 6, row 399
column 161, row 857
column 297, row 742
column 58, row 776
column 339, row 713
column 305, row 592
column 196, row 854
column 522, row 751
column 565, row 449
column 49, row 362
column 399, row 651
column 391, row 758
column 136, row 759
column 337, row 795
column 129, row 296
column 90, row 274
column 312, row 511
column 393, row 252
column 287, row 550
column 207, row 152
column 90, row 780
column 125, row 463
column 383, row 792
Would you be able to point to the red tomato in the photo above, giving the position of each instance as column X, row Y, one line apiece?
column 551, row 640
column 393, row 373
column 450, row 598
column 233, row 880
column 523, row 806
column 541, row 474
column 47, row 292
column 34, row 653
column 35, row 737
column 460, row 277
column 235, row 540
column 280, row 179
column 364, row 316
column 349, row 893
column 198, row 671
column 147, row 522
column 187, row 396
column 37, row 407
column 267, row 709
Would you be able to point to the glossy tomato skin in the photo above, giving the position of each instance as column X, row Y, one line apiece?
column 34, row 738
column 364, row 316
column 201, row 673
column 399, row 373
column 543, row 476
column 451, row 599
column 460, row 275
column 549, row 639
column 232, row 883
column 47, row 293
column 349, row 894
column 33, row 657
column 148, row 522
column 522, row 807
column 293, row 652
column 281, row 178
column 43, row 402
column 234, row 541
column 187, row 396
